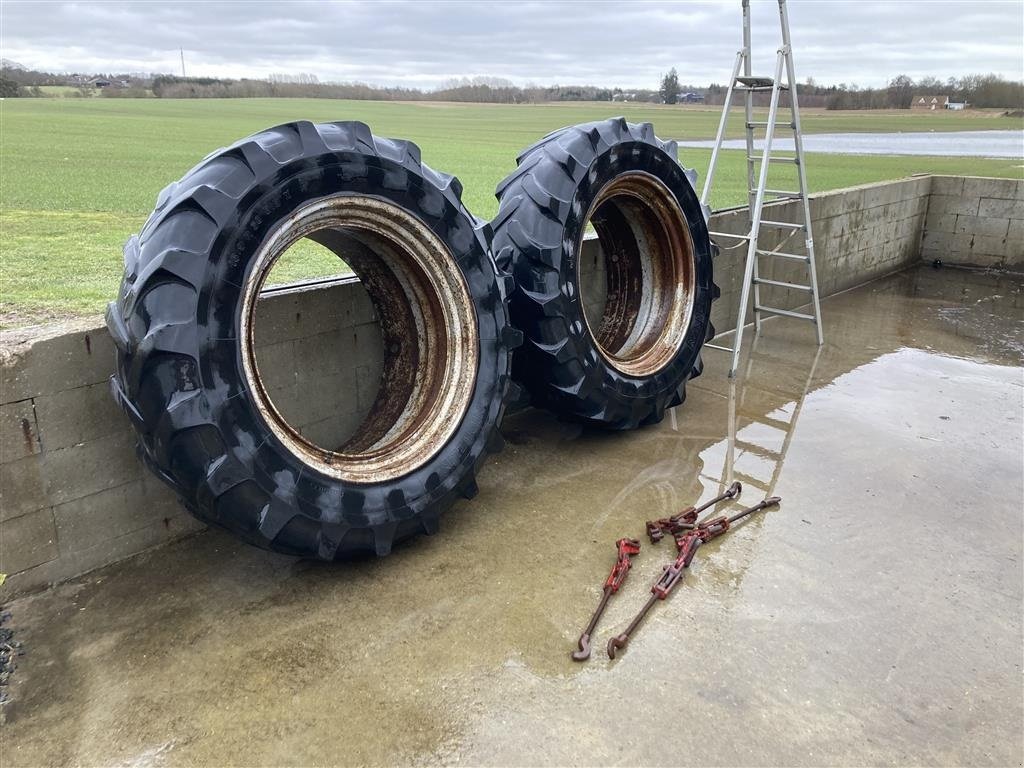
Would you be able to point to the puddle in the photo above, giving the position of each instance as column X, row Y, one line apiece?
column 874, row 618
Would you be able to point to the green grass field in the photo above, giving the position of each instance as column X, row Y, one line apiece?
column 61, row 90
column 78, row 176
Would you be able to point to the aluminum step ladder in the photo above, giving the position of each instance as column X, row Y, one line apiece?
column 757, row 165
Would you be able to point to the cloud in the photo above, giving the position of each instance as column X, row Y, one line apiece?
column 422, row 44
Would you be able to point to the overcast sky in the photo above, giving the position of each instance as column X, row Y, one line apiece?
column 422, row 44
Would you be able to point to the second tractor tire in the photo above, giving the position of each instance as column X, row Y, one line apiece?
column 627, row 360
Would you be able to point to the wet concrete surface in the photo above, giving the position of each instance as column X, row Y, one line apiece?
column 875, row 618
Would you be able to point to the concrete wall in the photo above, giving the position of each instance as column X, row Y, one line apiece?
column 74, row 497
column 860, row 233
column 975, row 221
column 72, row 494
column 324, row 342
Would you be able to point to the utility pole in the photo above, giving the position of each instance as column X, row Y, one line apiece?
column 182, row 50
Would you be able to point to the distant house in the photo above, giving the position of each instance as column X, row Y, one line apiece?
column 929, row 102
column 691, row 98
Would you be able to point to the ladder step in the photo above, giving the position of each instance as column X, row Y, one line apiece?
column 780, row 284
column 729, row 234
column 794, row 256
column 784, row 313
column 782, row 87
column 780, row 193
column 753, row 123
column 718, row 346
column 781, row 224
column 773, row 159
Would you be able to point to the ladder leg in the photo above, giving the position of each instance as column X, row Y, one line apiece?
column 812, row 270
column 755, row 274
column 720, row 137
column 752, row 196
column 755, row 216
column 742, row 314
column 799, row 146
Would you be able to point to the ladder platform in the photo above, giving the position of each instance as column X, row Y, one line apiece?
column 780, row 254
column 785, row 313
column 760, row 87
column 755, row 81
column 780, row 284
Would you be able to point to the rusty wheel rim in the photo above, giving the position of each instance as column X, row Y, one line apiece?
column 428, row 326
column 650, row 272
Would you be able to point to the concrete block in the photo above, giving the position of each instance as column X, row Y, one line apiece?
column 44, row 361
column 332, row 432
column 941, row 222
column 947, row 185
column 298, row 313
column 368, row 345
column 21, row 487
column 978, row 225
column 89, row 521
column 1015, row 238
column 999, row 208
column 358, row 307
column 18, row 435
column 826, row 205
column 978, row 187
column 324, row 354
column 936, row 244
column 954, row 204
column 110, row 551
column 878, row 195
column 367, row 386
column 78, row 416
column 88, row 468
column 313, row 400
column 276, row 363
column 988, row 245
column 27, row 541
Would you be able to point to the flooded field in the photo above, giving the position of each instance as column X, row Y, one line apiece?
column 995, row 144
column 874, row 618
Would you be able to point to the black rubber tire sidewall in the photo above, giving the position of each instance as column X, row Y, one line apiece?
column 240, row 476
column 646, row 158
column 543, row 207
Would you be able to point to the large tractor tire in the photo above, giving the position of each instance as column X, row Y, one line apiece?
column 621, row 366
column 187, row 373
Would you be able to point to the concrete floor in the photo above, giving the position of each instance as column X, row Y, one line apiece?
column 875, row 618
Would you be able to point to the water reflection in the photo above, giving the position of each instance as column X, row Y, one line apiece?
column 760, row 444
